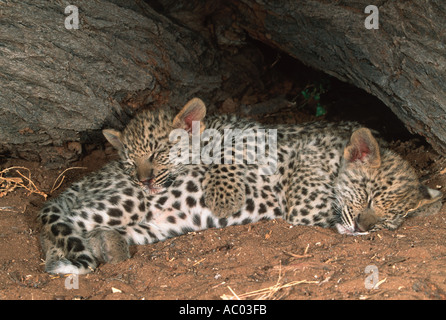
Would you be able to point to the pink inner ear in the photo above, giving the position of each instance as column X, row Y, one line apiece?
column 360, row 152
column 188, row 121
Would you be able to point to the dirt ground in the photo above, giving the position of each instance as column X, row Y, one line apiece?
column 269, row 259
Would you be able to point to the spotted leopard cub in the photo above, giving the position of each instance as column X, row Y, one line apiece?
column 327, row 175
column 376, row 189
column 147, row 144
column 373, row 187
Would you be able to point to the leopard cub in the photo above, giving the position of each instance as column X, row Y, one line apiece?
column 148, row 141
column 326, row 175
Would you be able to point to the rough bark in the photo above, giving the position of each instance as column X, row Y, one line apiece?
column 403, row 62
column 60, row 85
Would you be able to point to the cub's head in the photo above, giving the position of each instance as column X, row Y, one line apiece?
column 376, row 188
column 147, row 146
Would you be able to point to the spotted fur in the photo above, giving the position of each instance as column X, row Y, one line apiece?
column 327, row 175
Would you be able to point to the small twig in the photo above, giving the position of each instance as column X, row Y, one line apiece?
column 218, row 285
column 235, row 294
column 267, row 293
column 10, row 184
column 299, row 256
column 198, row 262
column 306, row 249
column 34, row 188
column 54, row 188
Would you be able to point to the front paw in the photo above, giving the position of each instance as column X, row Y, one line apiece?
column 224, row 205
column 108, row 245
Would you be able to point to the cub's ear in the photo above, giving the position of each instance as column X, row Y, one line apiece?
column 363, row 149
column 114, row 137
column 194, row 110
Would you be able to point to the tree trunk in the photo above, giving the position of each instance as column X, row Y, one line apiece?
column 403, row 62
column 60, row 85
column 63, row 85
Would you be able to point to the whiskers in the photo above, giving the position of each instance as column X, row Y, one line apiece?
column 347, row 223
column 342, row 213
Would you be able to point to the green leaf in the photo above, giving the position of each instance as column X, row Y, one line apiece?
column 320, row 110
column 306, row 94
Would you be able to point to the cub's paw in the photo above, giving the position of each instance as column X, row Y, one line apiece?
column 224, row 196
column 108, row 245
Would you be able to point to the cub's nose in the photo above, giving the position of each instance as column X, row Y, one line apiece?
column 145, row 173
column 148, row 182
column 365, row 220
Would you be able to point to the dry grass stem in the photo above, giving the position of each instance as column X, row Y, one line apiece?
column 269, row 293
column 62, row 178
column 299, row 256
column 9, row 184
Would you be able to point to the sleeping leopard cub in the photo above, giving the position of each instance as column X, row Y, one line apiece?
column 328, row 175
